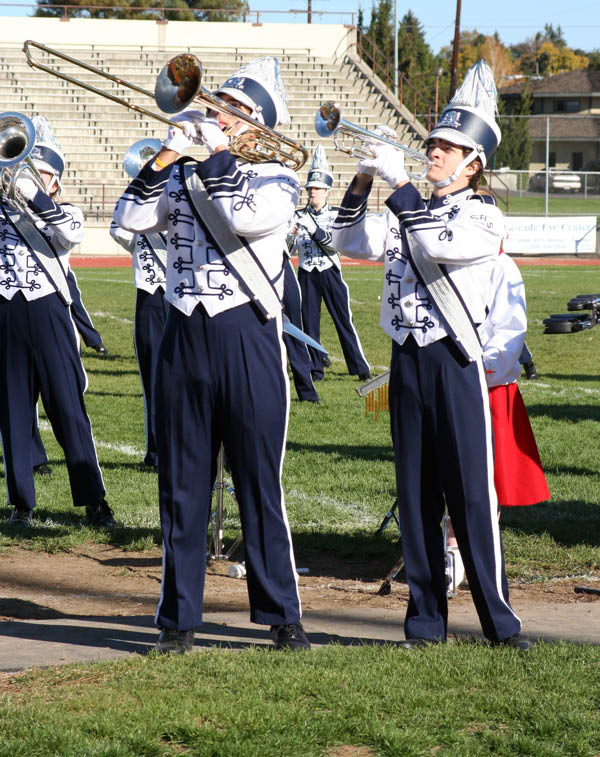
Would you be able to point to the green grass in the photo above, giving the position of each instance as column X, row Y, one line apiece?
column 559, row 204
column 338, row 473
column 464, row 699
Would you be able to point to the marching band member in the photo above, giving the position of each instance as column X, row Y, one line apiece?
column 320, row 272
column 38, row 345
column 438, row 260
column 149, row 253
column 221, row 373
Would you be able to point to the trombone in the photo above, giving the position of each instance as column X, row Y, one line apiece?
column 355, row 141
column 178, row 85
column 17, row 140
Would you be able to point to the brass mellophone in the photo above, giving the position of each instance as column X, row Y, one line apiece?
column 178, row 85
column 17, row 140
column 353, row 140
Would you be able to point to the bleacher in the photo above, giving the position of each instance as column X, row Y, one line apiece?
column 95, row 133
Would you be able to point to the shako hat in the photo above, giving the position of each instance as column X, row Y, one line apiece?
column 469, row 118
column 259, row 85
column 319, row 174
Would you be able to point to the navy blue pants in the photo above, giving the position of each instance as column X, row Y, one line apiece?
column 223, row 380
column 81, row 317
column 442, row 435
column 39, row 356
column 330, row 287
column 297, row 351
column 150, row 318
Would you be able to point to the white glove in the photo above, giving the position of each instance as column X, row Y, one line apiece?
column 391, row 165
column 387, row 163
column 211, row 134
column 180, row 140
column 27, row 187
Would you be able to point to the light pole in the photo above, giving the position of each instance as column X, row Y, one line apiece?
column 438, row 73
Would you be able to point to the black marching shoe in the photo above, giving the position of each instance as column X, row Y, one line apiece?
column 515, row 642
column 530, row 371
column 100, row 515
column 100, row 349
column 326, row 362
column 172, row 641
column 42, row 470
column 21, row 517
column 364, row 376
column 417, row 642
column 290, row 637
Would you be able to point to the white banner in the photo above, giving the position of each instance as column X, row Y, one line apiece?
column 535, row 235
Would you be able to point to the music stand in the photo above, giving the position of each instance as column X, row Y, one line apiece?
column 449, row 558
column 215, row 547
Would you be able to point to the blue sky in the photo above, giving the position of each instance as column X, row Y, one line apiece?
column 514, row 20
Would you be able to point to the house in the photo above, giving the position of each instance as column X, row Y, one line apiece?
column 572, row 102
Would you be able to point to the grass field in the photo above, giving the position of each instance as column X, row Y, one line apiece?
column 338, row 476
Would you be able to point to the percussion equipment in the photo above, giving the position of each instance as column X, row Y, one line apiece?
column 178, row 85
column 356, row 141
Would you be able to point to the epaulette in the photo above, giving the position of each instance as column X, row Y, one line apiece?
column 486, row 199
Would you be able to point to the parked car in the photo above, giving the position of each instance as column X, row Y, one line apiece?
column 559, row 181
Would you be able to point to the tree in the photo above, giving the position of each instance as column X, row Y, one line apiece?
column 414, row 54
column 514, row 150
column 547, row 53
column 183, row 10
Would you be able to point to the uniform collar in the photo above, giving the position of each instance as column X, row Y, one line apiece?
column 314, row 212
column 437, row 203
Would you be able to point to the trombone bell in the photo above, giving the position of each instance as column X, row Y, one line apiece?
column 353, row 140
column 178, row 83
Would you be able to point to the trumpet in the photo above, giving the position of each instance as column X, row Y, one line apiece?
column 178, row 85
column 356, row 141
column 17, row 140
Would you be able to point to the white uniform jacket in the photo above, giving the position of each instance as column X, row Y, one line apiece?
column 503, row 331
column 460, row 232
column 148, row 273
column 61, row 226
column 256, row 201
column 314, row 249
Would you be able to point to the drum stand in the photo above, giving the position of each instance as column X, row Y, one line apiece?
column 215, row 548
column 450, row 568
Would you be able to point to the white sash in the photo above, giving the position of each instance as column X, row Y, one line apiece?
column 42, row 252
column 447, row 301
column 240, row 259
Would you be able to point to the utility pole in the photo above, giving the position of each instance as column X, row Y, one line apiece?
column 309, row 13
column 396, row 47
column 454, row 72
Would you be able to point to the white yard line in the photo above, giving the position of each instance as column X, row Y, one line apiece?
column 111, row 317
column 124, row 449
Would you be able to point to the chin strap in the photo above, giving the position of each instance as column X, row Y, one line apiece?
column 459, row 168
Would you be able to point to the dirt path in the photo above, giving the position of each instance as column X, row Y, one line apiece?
column 105, row 581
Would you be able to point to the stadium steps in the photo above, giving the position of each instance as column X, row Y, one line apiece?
column 95, row 133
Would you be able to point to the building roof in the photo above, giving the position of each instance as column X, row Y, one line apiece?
column 584, row 81
column 565, row 127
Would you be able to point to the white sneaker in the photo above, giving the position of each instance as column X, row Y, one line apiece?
column 456, row 576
